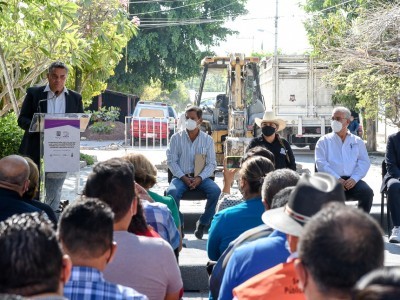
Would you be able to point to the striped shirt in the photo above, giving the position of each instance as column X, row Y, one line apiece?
column 89, row 283
column 160, row 218
column 181, row 153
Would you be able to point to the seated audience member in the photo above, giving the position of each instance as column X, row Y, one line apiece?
column 273, row 183
column 138, row 224
column 86, row 235
column 226, row 199
column 157, row 214
column 271, row 140
column 183, row 148
column 306, row 199
column 228, row 224
column 338, row 246
column 146, row 177
column 256, row 256
column 30, row 196
column 379, row 284
column 31, row 261
column 391, row 182
column 14, row 182
column 146, row 264
column 344, row 156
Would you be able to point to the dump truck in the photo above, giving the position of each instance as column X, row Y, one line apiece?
column 293, row 90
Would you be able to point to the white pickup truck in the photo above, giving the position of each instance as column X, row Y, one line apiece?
column 293, row 90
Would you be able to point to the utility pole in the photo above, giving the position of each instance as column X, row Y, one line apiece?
column 276, row 31
column 275, row 67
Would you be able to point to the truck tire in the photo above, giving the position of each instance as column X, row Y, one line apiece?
column 312, row 146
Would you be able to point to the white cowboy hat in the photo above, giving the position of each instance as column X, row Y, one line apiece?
column 270, row 117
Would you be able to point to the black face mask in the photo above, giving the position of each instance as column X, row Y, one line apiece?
column 268, row 130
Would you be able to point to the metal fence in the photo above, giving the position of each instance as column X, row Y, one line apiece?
column 149, row 133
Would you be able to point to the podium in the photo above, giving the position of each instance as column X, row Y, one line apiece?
column 59, row 141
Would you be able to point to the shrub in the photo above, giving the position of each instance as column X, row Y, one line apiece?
column 105, row 114
column 10, row 135
column 88, row 158
column 102, row 119
column 102, row 128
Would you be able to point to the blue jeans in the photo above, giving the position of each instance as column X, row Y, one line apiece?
column 393, row 192
column 177, row 187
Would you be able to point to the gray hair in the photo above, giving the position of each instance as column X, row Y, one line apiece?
column 344, row 110
column 57, row 65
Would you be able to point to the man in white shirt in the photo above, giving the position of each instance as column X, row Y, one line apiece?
column 345, row 156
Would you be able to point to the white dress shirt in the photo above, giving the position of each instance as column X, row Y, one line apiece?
column 338, row 158
column 55, row 104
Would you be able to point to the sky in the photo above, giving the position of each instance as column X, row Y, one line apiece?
column 257, row 29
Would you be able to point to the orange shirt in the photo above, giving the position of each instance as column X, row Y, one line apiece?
column 279, row 282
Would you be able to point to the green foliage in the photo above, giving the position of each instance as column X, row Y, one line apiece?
column 89, row 36
column 88, row 158
column 10, row 135
column 172, row 41
column 102, row 119
column 105, row 114
column 102, row 128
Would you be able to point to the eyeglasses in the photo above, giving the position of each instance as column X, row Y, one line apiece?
column 339, row 119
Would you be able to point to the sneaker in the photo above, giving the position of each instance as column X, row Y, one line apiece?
column 199, row 230
column 395, row 237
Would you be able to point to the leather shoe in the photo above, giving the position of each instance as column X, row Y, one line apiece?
column 199, row 230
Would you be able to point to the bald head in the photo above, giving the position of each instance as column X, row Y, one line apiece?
column 14, row 170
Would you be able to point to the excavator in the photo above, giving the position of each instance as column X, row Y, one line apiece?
column 230, row 121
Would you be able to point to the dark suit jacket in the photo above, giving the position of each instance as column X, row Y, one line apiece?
column 11, row 203
column 392, row 158
column 30, row 145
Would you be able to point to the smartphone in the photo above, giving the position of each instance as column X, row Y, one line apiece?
column 233, row 162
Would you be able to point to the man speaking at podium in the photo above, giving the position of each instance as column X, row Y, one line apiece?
column 53, row 98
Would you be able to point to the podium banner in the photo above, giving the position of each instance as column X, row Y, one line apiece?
column 61, row 145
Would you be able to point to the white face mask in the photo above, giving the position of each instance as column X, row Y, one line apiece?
column 336, row 126
column 190, row 124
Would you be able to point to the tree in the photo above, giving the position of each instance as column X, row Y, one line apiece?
column 362, row 46
column 106, row 29
column 173, row 39
column 88, row 35
column 32, row 34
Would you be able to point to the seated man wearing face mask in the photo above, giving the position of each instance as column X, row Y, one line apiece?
column 344, row 155
column 271, row 140
column 185, row 145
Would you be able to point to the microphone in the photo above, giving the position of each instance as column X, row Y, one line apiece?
column 39, row 108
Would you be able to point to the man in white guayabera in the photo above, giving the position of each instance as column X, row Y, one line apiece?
column 344, row 155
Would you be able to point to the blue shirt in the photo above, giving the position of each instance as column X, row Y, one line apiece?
column 181, row 153
column 229, row 223
column 338, row 158
column 160, row 218
column 88, row 283
column 251, row 259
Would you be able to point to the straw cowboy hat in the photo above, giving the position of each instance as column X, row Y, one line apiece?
column 311, row 193
column 270, row 117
